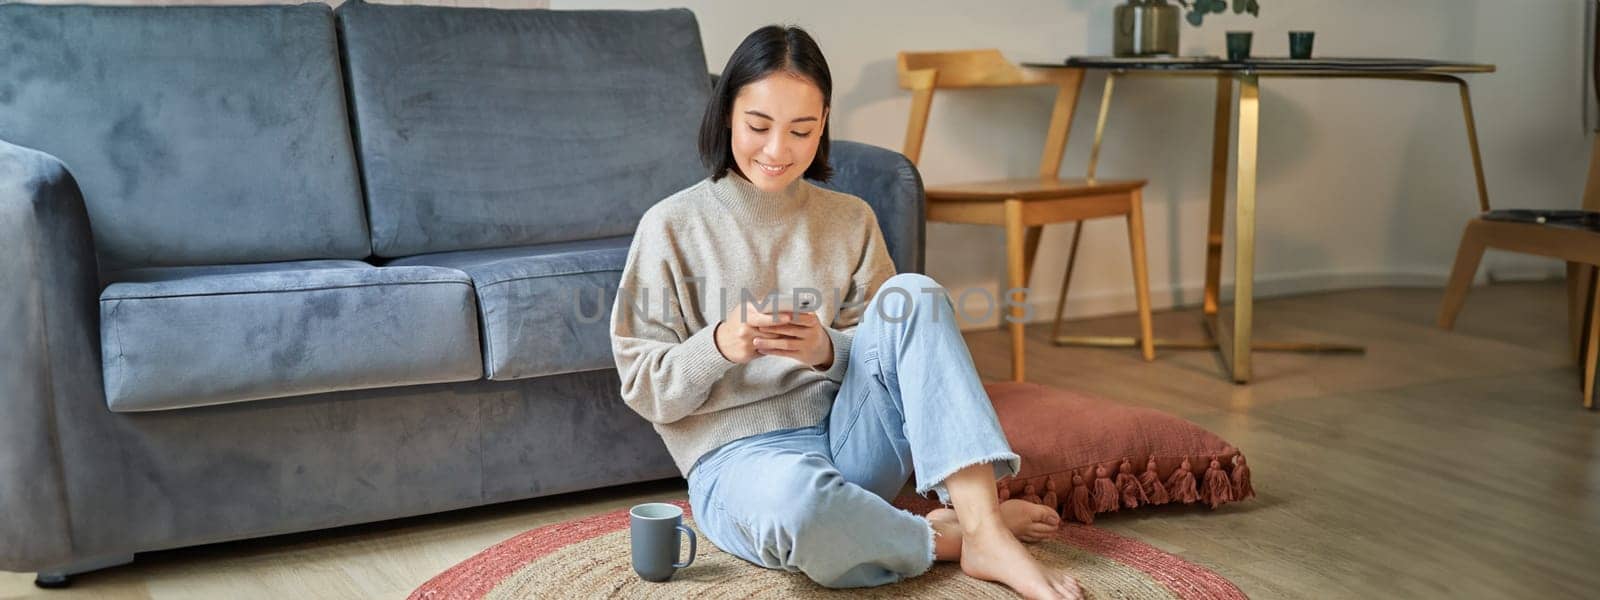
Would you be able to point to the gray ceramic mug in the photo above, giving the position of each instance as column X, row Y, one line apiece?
column 653, row 532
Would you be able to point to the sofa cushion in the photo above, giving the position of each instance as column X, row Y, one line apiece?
column 482, row 128
column 546, row 309
column 199, row 135
column 179, row 337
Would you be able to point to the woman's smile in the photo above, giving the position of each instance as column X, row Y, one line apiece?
column 770, row 170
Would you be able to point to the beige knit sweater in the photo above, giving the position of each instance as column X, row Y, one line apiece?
column 694, row 256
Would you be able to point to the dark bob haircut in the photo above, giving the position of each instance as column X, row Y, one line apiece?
column 770, row 49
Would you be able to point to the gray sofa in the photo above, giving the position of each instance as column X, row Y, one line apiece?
column 272, row 269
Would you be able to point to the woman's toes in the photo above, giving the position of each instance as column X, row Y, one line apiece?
column 1068, row 588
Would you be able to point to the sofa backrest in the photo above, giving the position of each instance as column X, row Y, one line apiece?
column 481, row 128
column 199, row 135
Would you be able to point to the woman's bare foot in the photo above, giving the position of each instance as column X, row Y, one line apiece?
column 993, row 554
column 996, row 556
column 989, row 551
column 1027, row 521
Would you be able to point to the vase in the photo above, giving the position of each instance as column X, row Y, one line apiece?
column 1146, row 28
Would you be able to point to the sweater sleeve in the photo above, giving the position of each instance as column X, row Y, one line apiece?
column 667, row 371
column 874, row 268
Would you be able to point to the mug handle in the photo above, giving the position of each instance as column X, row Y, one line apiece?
column 689, row 532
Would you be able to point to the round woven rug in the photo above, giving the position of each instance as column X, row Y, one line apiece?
column 589, row 558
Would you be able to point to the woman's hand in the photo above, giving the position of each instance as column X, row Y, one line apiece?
column 738, row 330
column 801, row 337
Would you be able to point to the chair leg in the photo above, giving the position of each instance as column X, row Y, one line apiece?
column 1066, row 280
column 1579, row 278
column 1467, row 258
column 1141, row 273
column 1016, row 274
column 1593, row 354
column 1030, row 249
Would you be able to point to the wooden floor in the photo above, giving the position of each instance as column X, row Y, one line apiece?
column 1441, row 464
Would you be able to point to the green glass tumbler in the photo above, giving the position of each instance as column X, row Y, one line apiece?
column 1238, row 46
column 1300, row 44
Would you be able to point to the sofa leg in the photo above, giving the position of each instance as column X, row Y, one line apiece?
column 52, row 581
column 61, row 576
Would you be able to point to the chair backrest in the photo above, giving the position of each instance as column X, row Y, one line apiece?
column 923, row 72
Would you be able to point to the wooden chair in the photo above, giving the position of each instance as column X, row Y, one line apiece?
column 1572, row 236
column 1024, row 206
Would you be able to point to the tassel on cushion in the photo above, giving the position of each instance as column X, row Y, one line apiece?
column 1031, row 494
column 1078, row 504
column 1182, row 485
column 1132, row 494
column 1105, row 492
column 1218, row 490
column 1150, row 481
column 1241, row 479
column 1050, row 498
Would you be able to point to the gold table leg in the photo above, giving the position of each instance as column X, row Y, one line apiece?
column 1472, row 143
column 1072, row 255
column 1222, row 131
column 1066, row 280
column 1237, row 354
column 1234, row 342
column 1100, row 125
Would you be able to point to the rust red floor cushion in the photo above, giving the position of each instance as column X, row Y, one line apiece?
column 1084, row 455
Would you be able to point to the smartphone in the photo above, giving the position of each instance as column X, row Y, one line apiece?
column 788, row 303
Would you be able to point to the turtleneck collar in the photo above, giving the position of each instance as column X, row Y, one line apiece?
column 746, row 200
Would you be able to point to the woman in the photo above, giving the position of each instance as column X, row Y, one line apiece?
column 796, row 427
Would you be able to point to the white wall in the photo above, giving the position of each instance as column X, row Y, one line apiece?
column 1363, row 182
column 461, row 3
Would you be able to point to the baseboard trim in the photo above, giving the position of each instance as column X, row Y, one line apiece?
column 1099, row 303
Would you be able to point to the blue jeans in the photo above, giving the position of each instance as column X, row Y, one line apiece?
column 816, row 499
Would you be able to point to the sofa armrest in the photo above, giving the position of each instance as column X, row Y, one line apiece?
column 49, row 350
column 893, row 187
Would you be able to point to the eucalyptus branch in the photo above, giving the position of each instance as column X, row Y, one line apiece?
column 1199, row 8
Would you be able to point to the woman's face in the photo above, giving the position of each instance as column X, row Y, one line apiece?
column 776, row 123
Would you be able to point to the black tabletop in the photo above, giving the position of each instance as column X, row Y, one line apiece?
column 1270, row 64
